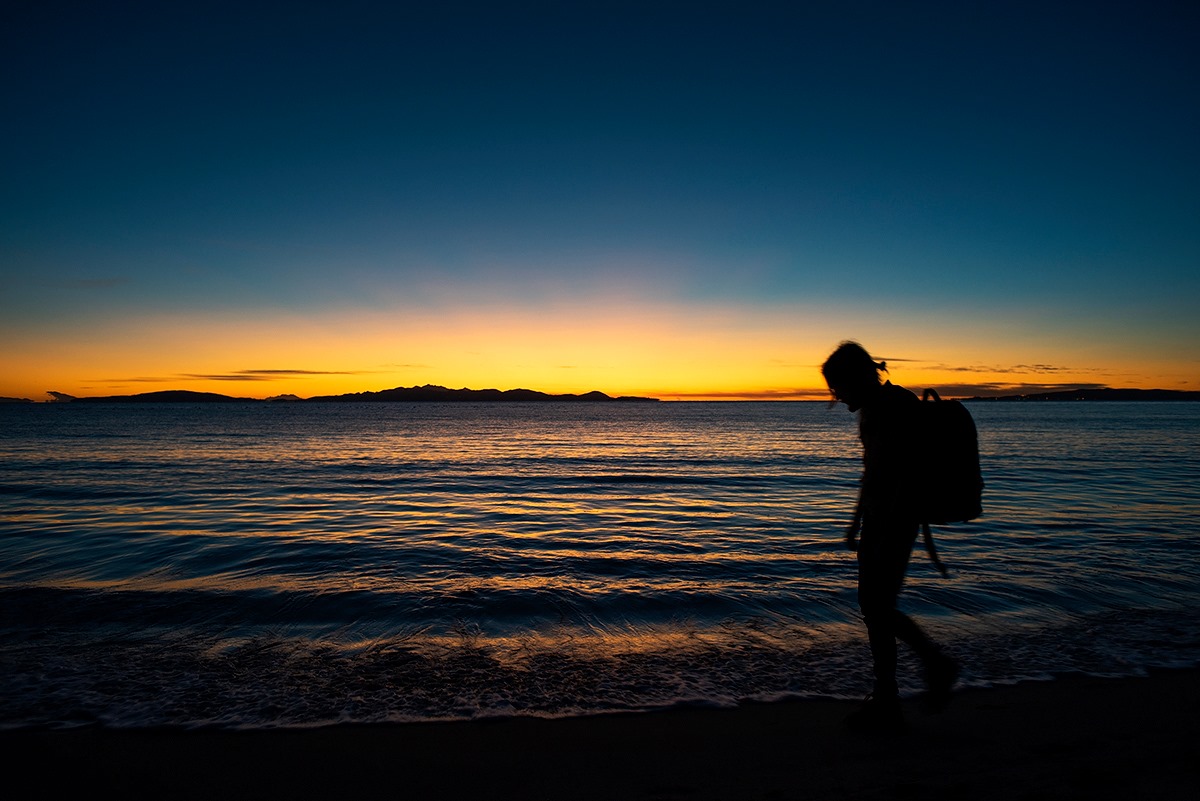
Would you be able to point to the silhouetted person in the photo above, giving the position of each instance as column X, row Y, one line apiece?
column 884, row 529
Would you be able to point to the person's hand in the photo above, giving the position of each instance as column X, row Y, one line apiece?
column 852, row 534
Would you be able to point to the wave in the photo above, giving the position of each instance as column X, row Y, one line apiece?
column 175, row 678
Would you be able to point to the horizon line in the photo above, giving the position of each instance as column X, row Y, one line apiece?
column 955, row 392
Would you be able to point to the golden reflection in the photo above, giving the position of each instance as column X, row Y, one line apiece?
column 588, row 643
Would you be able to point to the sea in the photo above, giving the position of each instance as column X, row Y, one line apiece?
column 283, row 564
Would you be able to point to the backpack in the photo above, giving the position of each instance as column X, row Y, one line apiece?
column 951, row 483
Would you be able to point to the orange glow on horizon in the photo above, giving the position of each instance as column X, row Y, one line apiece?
column 619, row 348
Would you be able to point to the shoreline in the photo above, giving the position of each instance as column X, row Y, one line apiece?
column 1072, row 737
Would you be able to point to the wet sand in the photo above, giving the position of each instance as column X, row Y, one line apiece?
column 1073, row 738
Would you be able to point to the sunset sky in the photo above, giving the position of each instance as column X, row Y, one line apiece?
column 680, row 200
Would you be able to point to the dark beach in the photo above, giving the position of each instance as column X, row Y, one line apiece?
column 1074, row 738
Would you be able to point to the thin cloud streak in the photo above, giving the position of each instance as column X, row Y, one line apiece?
column 236, row 375
column 269, row 375
column 1019, row 369
column 993, row 390
column 277, row 372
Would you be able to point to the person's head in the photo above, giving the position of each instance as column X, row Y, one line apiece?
column 852, row 375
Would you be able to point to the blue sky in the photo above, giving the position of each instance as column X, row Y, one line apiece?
column 1017, row 181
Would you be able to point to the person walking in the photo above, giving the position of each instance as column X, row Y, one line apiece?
column 883, row 532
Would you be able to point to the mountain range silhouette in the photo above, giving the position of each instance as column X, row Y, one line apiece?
column 428, row 392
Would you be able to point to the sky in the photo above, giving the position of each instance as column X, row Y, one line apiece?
column 679, row 200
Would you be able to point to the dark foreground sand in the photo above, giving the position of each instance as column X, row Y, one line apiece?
column 1077, row 738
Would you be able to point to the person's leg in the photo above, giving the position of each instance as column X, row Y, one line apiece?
column 941, row 671
column 879, row 583
column 908, row 632
column 882, row 560
column 881, row 634
column 883, row 555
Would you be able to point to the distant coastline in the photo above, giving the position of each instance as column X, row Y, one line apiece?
column 1103, row 394
column 430, row 392
column 421, row 394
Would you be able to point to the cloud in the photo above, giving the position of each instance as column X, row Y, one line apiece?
column 272, row 374
column 1018, row 369
column 135, row 380
column 991, row 369
column 996, row 389
column 1046, row 368
column 276, row 372
column 232, row 377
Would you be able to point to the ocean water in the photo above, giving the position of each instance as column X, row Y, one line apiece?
column 268, row 565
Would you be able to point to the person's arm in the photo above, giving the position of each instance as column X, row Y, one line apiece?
column 855, row 526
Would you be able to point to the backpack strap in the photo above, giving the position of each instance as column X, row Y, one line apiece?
column 926, row 533
column 932, row 551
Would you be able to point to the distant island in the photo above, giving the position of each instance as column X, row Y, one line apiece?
column 166, row 396
column 1102, row 394
column 426, row 393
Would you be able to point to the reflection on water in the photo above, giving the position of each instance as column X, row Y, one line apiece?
column 268, row 564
